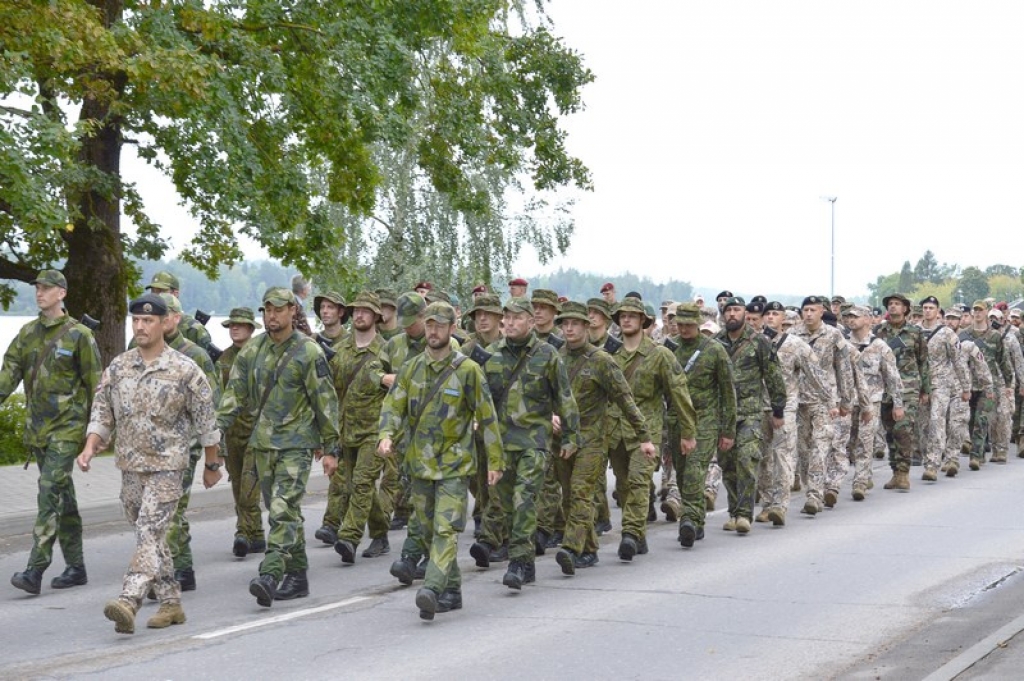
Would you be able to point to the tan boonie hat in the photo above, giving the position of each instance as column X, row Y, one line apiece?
column 51, row 278
column 485, row 302
column 519, row 304
column 440, row 312
column 332, row 297
column 165, row 280
column 601, row 305
column 367, row 300
column 573, row 310
column 980, row 305
column 278, row 296
column 242, row 315
column 172, row 303
column 687, row 313
column 545, row 296
column 409, row 306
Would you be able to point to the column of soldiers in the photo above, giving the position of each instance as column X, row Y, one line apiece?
column 408, row 415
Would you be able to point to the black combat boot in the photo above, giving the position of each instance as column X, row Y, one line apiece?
column 258, row 545
column 481, row 552
column 73, row 575
column 426, row 601
column 327, row 535
column 345, row 549
column 531, row 573
column 240, row 547
column 294, row 585
column 186, row 577
column 29, row 581
column 377, row 547
column 264, row 588
column 540, row 543
column 450, row 599
column 515, row 576
column 404, row 569
column 628, row 547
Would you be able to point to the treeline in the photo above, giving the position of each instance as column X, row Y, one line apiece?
column 580, row 286
column 949, row 283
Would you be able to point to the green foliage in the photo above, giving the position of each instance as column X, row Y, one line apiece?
column 12, row 430
column 973, row 285
column 948, row 283
column 583, row 285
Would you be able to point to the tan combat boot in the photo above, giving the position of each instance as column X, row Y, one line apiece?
column 709, row 501
column 903, row 482
column 122, row 614
column 777, row 515
column 730, row 525
column 892, row 484
column 859, row 492
column 742, row 525
column 762, row 517
column 930, row 475
column 168, row 614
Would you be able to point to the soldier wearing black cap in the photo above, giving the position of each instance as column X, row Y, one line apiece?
column 755, row 316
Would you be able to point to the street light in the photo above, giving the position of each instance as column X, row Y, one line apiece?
column 832, row 283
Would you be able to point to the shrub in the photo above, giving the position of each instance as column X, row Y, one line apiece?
column 12, row 430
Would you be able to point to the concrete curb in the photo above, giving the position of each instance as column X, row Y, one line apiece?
column 967, row 659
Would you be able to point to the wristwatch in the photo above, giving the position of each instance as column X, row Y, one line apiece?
column 215, row 466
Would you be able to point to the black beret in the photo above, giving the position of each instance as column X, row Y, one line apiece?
column 759, row 299
column 148, row 304
column 724, row 294
column 814, row 300
column 755, row 307
column 774, row 306
column 931, row 299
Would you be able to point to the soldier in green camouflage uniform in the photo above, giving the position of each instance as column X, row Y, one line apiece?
column 597, row 381
column 332, row 317
column 710, row 381
column 550, row 519
column 358, row 380
column 240, row 464
column 599, row 312
column 656, row 380
column 435, row 400
column 59, row 363
column 283, row 378
column 529, row 386
column 178, row 536
column 388, row 327
column 165, row 282
column 911, row 350
column 983, row 404
column 755, row 370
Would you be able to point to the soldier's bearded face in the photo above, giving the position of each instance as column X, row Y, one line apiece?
column 363, row 319
column 631, row 323
column 147, row 330
column 517, row 325
column 953, row 323
column 735, row 317
column 438, row 335
column 276, row 318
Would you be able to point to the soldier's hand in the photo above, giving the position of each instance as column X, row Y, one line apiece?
column 897, row 413
column 330, row 464
column 384, row 447
column 687, row 445
column 493, row 477
column 567, row 452
column 844, row 412
column 211, row 478
column 778, row 423
column 865, row 416
column 556, row 423
column 648, row 450
column 83, row 460
column 388, row 380
column 966, row 396
column 925, row 397
column 833, row 412
column 725, row 443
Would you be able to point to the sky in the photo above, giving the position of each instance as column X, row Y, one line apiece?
column 713, row 129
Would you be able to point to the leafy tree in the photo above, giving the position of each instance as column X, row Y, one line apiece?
column 973, row 284
column 883, row 286
column 264, row 115
column 927, row 269
column 906, row 280
column 1004, row 287
column 1001, row 270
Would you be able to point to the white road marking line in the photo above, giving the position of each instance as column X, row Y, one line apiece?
column 279, row 618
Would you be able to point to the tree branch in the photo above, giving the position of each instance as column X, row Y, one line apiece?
column 18, row 271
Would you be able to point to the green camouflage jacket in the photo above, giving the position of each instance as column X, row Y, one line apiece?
column 301, row 411
column 241, row 429
column 59, row 401
column 990, row 342
column 194, row 331
column 754, row 369
column 911, row 350
column 401, row 348
column 597, row 382
column 440, row 444
column 357, row 381
column 542, row 389
column 710, row 380
column 656, row 380
column 198, row 355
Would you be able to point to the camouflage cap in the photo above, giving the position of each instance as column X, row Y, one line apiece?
column 165, row 280
column 687, row 313
column 671, row 311
column 734, row 301
column 792, row 316
column 710, row 327
column 916, row 309
column 633, row 305
column 409, row 307
column 665, row 304
column 952, row 312
column 171, row 302
column 573, row 310
column 1015, row 312
column 331, row 297
column 278, row 296
column 387, row 297
column 518, row 304
column 980, row 305
column 367, row 300
column 440, row 312
column 242, row 315
column 995, row 314
column 438, row 296
column 857, row 311
column 545, row 296
column 149, row 304
column 486, row 302
column 838, row 299
column 897, row 296
column 51, row 278
column 601, row 305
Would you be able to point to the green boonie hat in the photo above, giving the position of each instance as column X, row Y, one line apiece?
column 333, row 297
column 486, row 302
column 545, row 296
column 633, row 305
column 165, row 280
column 687, row 313
column 601, row 305
column 439, row 296
column 367, row 300
column 573, row 310
column 900, row 297
column 242, row 315
column 172, row 302
column 734, row 301
column 440, row 312
column 980, row 304
column 519, row 304
column 387, row 297
column 278, row 296
column 409, row 306
column 51, row 278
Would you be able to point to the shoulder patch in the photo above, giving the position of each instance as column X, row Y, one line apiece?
column 322, row 370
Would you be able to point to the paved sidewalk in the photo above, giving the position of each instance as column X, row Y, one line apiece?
column 98, row 494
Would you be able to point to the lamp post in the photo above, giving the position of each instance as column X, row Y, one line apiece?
column 832, row 282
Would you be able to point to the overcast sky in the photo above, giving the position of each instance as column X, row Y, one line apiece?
column 714, row 128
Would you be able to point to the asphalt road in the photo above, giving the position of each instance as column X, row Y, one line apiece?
column 894, row 587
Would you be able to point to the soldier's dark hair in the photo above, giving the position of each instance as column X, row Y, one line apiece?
column 634, row 294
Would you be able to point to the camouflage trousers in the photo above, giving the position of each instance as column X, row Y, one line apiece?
column 57, row 517
column 940, row 425
column 633, row 473
column 672, row 434
column 602, row 512
column 815, row 432
column 149, row 501
column 245, row 488
column 339, row 494
column 439, row 516
column 764, row 466
column 881, row 441
column 712, row 478
column 283, row 477
column 1002, row 422
column 363, row 467
column 921, row 433
column 777, row 481
column 390, row 485
column 739, row 467
column 550, row 518
column 837, row 462
column 982, row 408
column 1018, row 409
column 478, row 481
column 691, row 476
column 580, row 475
column 862, row 436
column 179, row 535
column 511, row 512
column 902, row 432
column 959, row 429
